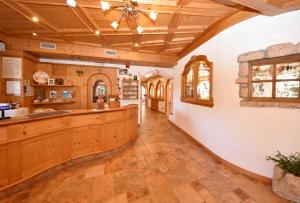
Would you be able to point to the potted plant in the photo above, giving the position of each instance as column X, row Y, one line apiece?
column 286, row 180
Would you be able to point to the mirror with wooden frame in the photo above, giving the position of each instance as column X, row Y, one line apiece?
column 151, row 90
column 160, row 91
column 197, row 81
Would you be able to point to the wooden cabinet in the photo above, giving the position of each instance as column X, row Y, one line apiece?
column 31, row 147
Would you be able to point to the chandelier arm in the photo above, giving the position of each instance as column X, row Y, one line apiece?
column 147, row 15
column 120, row 18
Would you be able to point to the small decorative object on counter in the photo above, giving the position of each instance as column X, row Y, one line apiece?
column 113, row 101
column 100, row 103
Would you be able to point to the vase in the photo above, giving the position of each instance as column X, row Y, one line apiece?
column 287, row 185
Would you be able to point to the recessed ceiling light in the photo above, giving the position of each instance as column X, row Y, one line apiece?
column 34, row 34
column 136, row 44
column 71, row 3
column 35, row 19
column 139, row 29
column 97, row 32
column 105, row 5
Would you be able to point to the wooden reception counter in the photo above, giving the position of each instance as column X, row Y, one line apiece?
column 30, row 147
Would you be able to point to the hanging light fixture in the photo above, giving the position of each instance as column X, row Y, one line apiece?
column 130, row 12
column 115, row 25
column 72, row 3
column 153, row 15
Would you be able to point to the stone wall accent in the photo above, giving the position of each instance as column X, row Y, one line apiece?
column 251, row 56
column 244, row 69
column 281, row 50
column 278, row 50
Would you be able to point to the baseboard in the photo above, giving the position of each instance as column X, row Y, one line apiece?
column 223, row 161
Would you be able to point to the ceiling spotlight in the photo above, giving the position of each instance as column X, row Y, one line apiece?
column 105, row 6
column 153, row 15
column 71, row 3
column 136, row 44
column 34, row 34
column 115, row 25
column 139, row 29
column 35, row 19
column 97, row 32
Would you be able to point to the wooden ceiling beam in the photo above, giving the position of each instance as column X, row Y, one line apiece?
column 292, row 5
column 146, row 7
column 173, row 26
column 28, row 14
column 264, row 7
column 88, row 21
column 216, row 28
column 92, row 52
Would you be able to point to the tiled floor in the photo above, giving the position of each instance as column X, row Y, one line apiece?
column 163, row 166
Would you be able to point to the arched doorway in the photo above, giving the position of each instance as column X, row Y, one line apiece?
column 169, row 98
column 98, row 84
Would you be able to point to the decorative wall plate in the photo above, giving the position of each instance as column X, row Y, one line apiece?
column 41, row 77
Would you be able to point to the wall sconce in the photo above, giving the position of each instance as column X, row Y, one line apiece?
column 79, row 72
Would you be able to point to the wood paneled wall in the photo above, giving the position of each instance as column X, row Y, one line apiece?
column 64, row 71
column 69, row 72
column 29, row 66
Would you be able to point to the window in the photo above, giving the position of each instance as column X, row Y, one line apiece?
column 276, row 79
column 151, row 90
column 197, row 81
column 160, row 90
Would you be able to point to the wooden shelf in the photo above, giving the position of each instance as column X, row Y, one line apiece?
column 130, row 89
column 38, row 85
column 49, row 103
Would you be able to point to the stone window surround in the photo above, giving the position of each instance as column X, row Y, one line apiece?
column 273, row 51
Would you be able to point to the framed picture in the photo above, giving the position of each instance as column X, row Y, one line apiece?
column 53, row 94
column 123, row 71
column 51, row 81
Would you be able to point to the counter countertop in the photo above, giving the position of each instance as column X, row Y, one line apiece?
column 24, row 119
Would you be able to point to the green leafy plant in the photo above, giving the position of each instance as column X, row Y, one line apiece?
column 289, row 164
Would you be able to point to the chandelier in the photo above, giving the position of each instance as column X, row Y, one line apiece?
column 129, row 12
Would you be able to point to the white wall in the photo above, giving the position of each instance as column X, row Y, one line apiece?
column 243, row 136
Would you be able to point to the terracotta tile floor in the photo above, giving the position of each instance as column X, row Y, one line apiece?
column 163, row 166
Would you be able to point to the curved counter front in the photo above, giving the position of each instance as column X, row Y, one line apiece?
column 30, row 146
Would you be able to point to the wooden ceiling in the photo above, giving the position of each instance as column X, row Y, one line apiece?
column 181, row 26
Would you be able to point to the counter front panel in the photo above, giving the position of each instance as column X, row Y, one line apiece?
column 32, row 146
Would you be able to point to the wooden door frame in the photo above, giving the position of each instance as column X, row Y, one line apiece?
column 88, row 80
column 166, row 94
